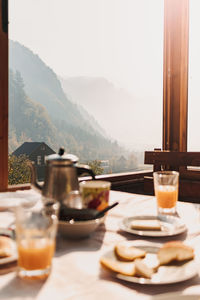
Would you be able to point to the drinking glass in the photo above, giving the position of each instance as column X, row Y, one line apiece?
column 35, row 232
column 166, row 191
column 95, row 194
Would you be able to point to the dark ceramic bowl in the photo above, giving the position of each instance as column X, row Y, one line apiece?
column 86, row 214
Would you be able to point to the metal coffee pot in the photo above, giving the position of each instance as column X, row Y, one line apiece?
column 61, row 176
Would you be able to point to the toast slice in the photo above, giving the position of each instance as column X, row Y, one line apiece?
column 6, row 247
column 145, row 225
column 141, row 269
column 125, row 253
column 174, row 251
column 124, row 268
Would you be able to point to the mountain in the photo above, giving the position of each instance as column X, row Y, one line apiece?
column 40, row 111
column 91, row 120
column 42, row 85
column 28, row 120
column 106, row 102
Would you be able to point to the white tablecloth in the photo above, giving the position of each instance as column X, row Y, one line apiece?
column 76, row 272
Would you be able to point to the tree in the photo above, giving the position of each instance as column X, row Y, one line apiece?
column 95, row 165
column 18, row 170
column 19, row 80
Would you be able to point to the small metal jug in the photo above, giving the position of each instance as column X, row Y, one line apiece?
column 61, row 176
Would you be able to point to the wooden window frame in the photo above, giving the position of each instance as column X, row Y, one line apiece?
column 175, row 87
column 175, row 74
column 3, row 95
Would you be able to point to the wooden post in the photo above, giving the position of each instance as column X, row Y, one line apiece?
column 3, row 96
column 175, row 77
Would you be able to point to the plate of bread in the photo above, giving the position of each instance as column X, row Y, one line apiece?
column 154, row 226
column 8, row 251
column 147, row 263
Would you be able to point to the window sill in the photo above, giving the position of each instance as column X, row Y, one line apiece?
column 117, row 180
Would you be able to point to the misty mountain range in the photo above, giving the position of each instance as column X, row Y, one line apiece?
column 41, row 109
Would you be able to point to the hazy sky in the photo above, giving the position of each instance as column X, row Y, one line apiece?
column 107, row 38
column 121, row 40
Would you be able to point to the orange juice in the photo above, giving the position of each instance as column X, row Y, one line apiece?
column 35, row 254
column 166, row 196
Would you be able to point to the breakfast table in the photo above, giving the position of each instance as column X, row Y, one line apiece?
column 76, row 272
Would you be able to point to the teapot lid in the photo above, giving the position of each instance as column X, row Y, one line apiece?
column 62, row 157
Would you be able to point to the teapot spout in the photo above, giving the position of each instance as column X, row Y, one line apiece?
column 81, row 169
column 34, row 181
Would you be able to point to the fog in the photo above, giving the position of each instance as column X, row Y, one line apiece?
column 119, row 40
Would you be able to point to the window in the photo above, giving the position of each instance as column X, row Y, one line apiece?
column 39, row 160
column 90, row 81
column 174, row 137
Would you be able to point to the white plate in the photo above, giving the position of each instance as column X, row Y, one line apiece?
column 176, row 296
column 167, row 274
column 10, row 200
column 12, row 258
column 170, row 225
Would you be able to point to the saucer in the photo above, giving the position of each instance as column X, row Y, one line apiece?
column 170, row 225
column 11, row 200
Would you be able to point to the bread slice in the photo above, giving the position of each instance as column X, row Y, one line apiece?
column 145, row 225
column 124, row 268
column 174, row 251
column 130, row 253
column 141, row 269
column 6, row 247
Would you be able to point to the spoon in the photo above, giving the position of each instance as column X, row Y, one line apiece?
column 102, row 212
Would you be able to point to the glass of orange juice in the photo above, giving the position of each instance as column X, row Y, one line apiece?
column 166, row 191
column 35, row 234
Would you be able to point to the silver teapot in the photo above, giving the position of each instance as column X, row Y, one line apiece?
column 61, row 176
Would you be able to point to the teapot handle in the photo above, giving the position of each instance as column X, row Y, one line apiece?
column 34, row 181
column 85, row 169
